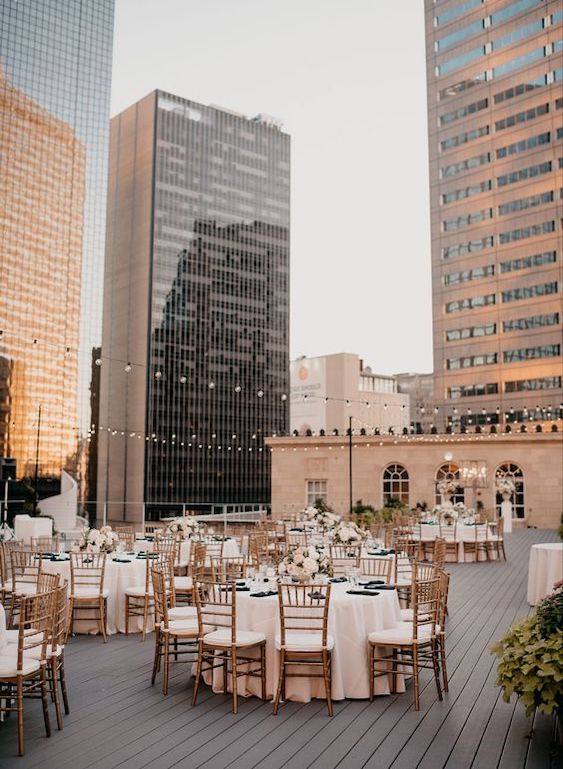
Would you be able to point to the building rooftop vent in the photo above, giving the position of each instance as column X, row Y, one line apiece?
column 268, row 120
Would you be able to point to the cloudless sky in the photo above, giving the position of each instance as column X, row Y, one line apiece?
column 347, row 77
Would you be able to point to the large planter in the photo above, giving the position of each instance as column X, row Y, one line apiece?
column 506, row 511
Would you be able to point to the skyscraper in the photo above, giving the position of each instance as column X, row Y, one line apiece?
column 55, row 78
column 495, row 98
column 195, row 344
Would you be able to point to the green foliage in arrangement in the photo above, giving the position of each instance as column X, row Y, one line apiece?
column 364, row 515
column 531, row 658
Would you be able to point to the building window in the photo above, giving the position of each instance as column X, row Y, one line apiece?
column 472, row 246
column 466, row 165
column 521, row 117
column 527, row 292
column 524, row 145
column 524, row 385
column 396, row 484
column 463, row 138
column 528, row 261
column 315, row 490
column 473, row 390
column 467, row 219
column 466, row 192
column 530, row 353
column 535, row 321
column 456, row 88
column 460, row 34
column 524, row 173
column 514, row 472
column 456, row 334
column 457, row 10
column 510, row 93
column 518, row 34
column 519, row 61
column 526, row 232
column 469, row 109
column 523, row 203
column 470, row 361
column 449, row 472
column 476, row 273
column 470, row 303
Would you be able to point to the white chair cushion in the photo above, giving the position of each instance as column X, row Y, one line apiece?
column 88, row 592
column 12, row 636
column 401, row 634
column 182, row 612
column 407, row 615
column 181, row 564
column 183, row 583
column 222, row 637
column 26, row 588
column 305, row 642
column 181, row 627
column 138, row 591
column 9, row 666
column 35, row 653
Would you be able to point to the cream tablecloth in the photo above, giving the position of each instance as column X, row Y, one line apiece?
column 351, row 619
column 544, row 570
column 26, row 527
column 463, row 533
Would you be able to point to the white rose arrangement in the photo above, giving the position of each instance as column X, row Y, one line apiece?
column 304, row 563
column 186, row 526
column 448, row 515
column 505, row 485
column 348, row 533
column 103, row 540
column 447, row 486
column 323, row 519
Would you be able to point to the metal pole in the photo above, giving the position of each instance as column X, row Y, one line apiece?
column 350, row 462
column 144, row 517
column 37, row 461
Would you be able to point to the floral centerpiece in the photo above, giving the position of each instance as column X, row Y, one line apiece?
column 103, row 540
column 347, row 533
column 303, row 563
column 187, row 525
column 447, row 487
column 505, row 485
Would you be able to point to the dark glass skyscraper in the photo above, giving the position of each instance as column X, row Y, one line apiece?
column 55, row 79
column 195, row 347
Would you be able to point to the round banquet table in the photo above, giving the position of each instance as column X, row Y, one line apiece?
column 230, row 548
column 544, row 570
column 463, row 533
column 351, row 619
column 117, row 578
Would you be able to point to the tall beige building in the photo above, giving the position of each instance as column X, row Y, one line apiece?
column 495, row 98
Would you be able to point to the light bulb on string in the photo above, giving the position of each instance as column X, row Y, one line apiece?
column 128, row 368
column 211, row 385
column 183, row 379
column 238, row 388
column 260, row 393
column 158, row 375
column 98, row 361
column 283, row 397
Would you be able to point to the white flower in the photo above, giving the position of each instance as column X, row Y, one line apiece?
column 282, row 568
column 310, row 565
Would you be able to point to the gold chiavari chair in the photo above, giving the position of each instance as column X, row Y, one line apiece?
column 172, row 636
column 26, row 568
column 47, row 583
column 258, row 549
column 23, row 671
column 344, row 557
column 126, row 536
column 222, row 644
column 87, row 593
column 439, row 552
column 376, row 568
column 495, row 539
column 449, row 534
column 172, row 546
column 441, row 628
column 478, row 545
column 6, row 568
column 229, row 569
column 297, row 538
column 410, row 644
column 139, row 599
column 45, row 544
column 153, row 528
column 304, row 641
column 199, row 555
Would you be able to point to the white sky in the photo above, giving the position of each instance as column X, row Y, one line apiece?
column 347, row 77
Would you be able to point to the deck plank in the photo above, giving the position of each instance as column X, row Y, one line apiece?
column 119, row 720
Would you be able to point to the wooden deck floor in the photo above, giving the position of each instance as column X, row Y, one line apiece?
column 119, row 720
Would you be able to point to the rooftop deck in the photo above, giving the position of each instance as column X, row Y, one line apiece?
column 118, row 720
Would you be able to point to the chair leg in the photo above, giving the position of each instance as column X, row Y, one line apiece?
column 156, row 655
column 280, row 683
column 436, row 669
column 63, row 685
column 326, row 663
column 263, row 670
column 166, row 664
column 415, row 678
column 197, row 672
column 126, row 615
column 235, row 678
column 443, row 663
column 21, row 748
column 394, row 672
column 371, row 672
column 145, row 617
column 225, row 673
column 103, row 618
column 53, row 662
column 45, row 703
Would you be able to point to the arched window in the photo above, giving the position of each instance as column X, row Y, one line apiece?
column 396, row 484
column 450, row 472
column 514, row 472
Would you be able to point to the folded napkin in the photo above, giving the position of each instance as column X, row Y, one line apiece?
column 57, row 558
column 264, row 594
column 338, row 579
column 47, row 555
column 386, row 587
column 242, row 589
column 297, row 529
column 381, row 552
column 362, row 592
column 122, row 560
column 316, row 595
column 144, row 556
column 372, row 582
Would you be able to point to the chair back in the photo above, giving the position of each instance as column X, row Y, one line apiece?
column 425, row 597
column 87, row 571
column 376, row 567
column 198, row 558
column 154, row 528
column 161, row 591
column 6, row 562
column 26, row 568
column 258, row 548
column 126, row 536
column 60, row 615
column 481, row 532
column 45, row 544
column 215, row 547
column 439, row 552
column 448, row 532
column 48, row 582
column 344, row 557
column 35, row 625
column 170, row 547
column 297, row 538
column 163, row 563
column 229, row 569
column 444, row 578
column 216, row 607
column 304, row 609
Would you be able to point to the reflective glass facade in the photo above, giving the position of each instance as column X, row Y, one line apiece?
column 205, row 325
column 496, row 216
column 55, row 78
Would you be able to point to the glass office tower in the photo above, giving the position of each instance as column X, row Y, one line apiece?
column 55, row 78
column 495, row 98
column 194, row 363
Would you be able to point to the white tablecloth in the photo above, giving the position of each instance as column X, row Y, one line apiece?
column 463, row 533
column 118, row 577
column 351, row 619
column 3, row 636
column 230, row 548
column 26, row 527
column 544, row 570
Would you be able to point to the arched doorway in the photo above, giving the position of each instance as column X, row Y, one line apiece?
column 449, row 471
column 514, row 472
column 396, row 483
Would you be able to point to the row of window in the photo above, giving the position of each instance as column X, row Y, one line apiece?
column 469, row 361
column 475, row 273
column 535, row 321
column 469, row 303
column 527, row 292
column 521, row 204
column 463, row 138
column 512, row 177
column 466, row 57
column 470, row 247
column 473, row 246
column 466, row 192
column 526, row 232
column 524, row 145
column 455, row 334
column 472, row 390
column 531, row 353
column 522, row 117
column 513, row 386
column 468, row 109
column 465, row 165
column 467, row 219
column 485, row 271
column 539, row 81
